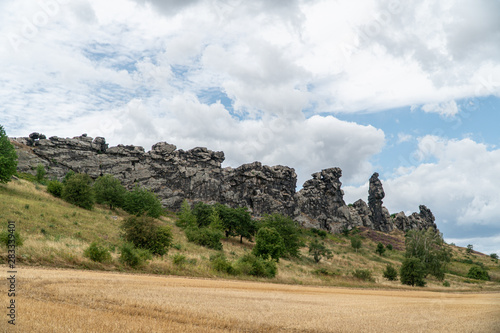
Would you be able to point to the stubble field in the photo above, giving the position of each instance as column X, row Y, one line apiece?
column 53, row 300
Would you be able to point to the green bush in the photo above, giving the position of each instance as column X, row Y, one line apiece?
column 363, row 274
column 219, row 263
column 40, row 173
column 179, row 259
column 478, row 273
column 412, row 272
column 380, row 249
column 356, row 243
column 319, row 250
column 268, row 244
column 249, row 264
column 8, row 157
column 390, row 273
column 288, row 230
column 140, row 201
column 147, row 233
column 132, row 256
column 319, row 232
column 109, row 191
column 185, row 217
column 446, row 284
column 202, row 211
column 78, row 191
column 97, row 253
column 5, row 238
column 55, row 188
column 68, row 175
column 389, row 247
column 206, row 237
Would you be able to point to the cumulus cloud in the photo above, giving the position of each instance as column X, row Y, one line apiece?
column 445, row 109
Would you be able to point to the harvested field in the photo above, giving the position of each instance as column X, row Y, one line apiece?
column 51, row 300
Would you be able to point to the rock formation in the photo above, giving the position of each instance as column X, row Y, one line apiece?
column 379, row 215
column 197, row 175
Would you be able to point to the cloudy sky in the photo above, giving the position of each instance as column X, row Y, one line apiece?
column 408, row 90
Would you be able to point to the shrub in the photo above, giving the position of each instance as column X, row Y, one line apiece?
column 140, row 201
column 206, row 237
column 446, row 284
column 147, row 233
column 132, row 256
column 380, row 249
column 40, row 173
column 319, row 232
column 412, row 272
column 97, row 253
column 179, row 259
column 478, row 273
column 219, row 263
column 78, row 191
column 250, row 264
column 8, row 157
column 356, row 243
column 494, row 256
column 390, row 273
column 185, row 216
column 68, row 175
column 109, row 191
column 268, row 244
column 363, row 274
column 288, row 230
column 6, row 237
column 389, row 247
column 55, row 188
column 202, row 211
column 319, row 250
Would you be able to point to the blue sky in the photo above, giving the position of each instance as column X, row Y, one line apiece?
column 411, row 91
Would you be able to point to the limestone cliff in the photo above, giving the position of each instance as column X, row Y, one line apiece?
column 197, row 175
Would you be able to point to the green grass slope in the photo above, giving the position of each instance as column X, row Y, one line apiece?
column 56, row 234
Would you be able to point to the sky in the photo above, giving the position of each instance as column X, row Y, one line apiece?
column 410, row 90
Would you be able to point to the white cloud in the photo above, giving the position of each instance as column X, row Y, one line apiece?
column 445, row 109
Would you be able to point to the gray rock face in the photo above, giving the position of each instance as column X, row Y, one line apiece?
column 197, row 175
column 416, row 221
column 262, row 189
column 379, row 216
column 321, row 200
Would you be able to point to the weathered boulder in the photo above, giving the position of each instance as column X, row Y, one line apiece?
column 416, row 221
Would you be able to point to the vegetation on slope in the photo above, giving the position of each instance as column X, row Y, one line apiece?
column 57, row 233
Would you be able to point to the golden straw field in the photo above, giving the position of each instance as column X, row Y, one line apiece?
column 60, row 300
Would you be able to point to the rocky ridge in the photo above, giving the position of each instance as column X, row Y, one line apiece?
column 197, row 175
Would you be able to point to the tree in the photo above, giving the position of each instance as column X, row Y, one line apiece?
column 78, row 191
column 109, row 191
column 268, row 244
column 147, row 233
column 380, row 249
column 185, row 216
column 356, row 243
column 40, row 173
column 319, row 250
column 428, row 246
column 412, row 272
column 494, row 256
column 140, row 200
column 202, row 211
column 390, row 273
column 8, row 157
column 236, row 221
column 470, row 248
column 288, row 230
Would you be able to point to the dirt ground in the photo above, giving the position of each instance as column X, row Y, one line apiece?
column 50, row 300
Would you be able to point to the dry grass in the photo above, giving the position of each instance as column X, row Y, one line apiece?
column 84, row 301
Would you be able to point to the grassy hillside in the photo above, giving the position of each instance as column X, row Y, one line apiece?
column 57, row 233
